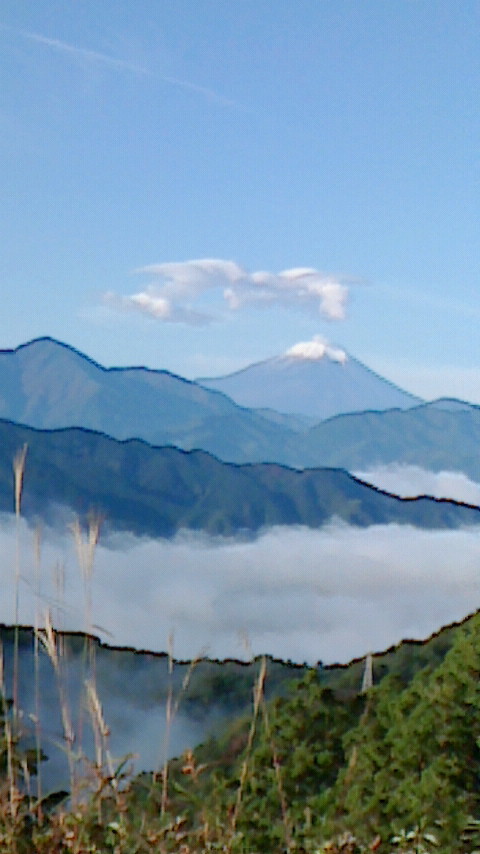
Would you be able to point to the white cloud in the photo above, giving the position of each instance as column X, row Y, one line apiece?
column 158, row 307
column 176, row 287
column 409, row 481
column 329, row 594
column 296, row 593
column 299, row 286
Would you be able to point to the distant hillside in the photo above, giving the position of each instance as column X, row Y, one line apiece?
column 157, row 491
column 434, row 436
column 319, row 386
column 49, row 385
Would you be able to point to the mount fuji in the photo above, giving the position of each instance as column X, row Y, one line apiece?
column 312, row 379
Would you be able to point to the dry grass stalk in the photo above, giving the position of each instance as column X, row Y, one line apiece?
column 287, row 824
column 58, row 573
column 168, row 726
column 85, row 548
column 37, row 545
column 103, row 756
column 18, row 471
column 14, row 795
column 48, row 640
column 171, row 709
column 101, row 730
column 367, row 680
column 6, row 722
column 186, row 681
column 258, row 691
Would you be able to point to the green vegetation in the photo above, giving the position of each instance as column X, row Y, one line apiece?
column 321, row 768
column 402, row 758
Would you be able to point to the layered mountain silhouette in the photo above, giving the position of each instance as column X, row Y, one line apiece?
column 443, row 435
column 157, row 491
column 48, row 385
column 319, row 382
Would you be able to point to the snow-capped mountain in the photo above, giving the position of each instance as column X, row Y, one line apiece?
column 312, row 379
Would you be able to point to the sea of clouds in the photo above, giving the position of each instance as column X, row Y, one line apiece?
column 411, row 480
column 296, row 593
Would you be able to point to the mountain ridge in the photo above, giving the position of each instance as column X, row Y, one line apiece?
column 155, row 405
column 158, row 491
column 434, row 438
column 163, row 409
column 314, row 386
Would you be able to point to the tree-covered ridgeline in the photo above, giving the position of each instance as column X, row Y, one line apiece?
column 414, row 753
column 323, row 762
column 392, row 768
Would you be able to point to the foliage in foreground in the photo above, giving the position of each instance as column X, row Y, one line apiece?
column 394, row 769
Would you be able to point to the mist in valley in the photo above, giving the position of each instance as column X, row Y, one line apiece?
column 297, row 593
column 294, row 593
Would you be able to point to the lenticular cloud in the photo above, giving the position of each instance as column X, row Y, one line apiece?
column 175, row 290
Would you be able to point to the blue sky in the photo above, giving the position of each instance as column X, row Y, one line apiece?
column 336, row 136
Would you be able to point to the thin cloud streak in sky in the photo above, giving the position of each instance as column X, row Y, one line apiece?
column 306, row 595
column 201, row 90
column 83, row 53
column 177, row 287
column 99, row 58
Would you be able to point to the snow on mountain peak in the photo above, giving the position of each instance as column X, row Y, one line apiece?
column 317, row 348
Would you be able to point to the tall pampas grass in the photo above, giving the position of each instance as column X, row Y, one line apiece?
column 18, row 475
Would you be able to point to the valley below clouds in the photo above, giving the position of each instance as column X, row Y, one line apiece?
column 298, row 594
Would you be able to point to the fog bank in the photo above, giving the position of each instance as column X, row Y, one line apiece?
column 409, row 481
column 296, row 593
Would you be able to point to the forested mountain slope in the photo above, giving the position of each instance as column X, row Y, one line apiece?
column 430, row 436
column 400, row 759
column 157, row 491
